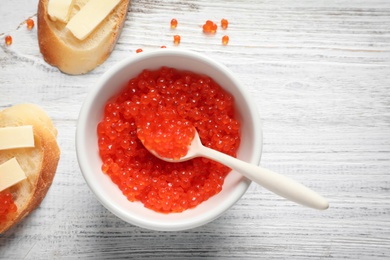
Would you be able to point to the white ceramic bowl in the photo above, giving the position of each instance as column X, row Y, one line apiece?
column 109, row 85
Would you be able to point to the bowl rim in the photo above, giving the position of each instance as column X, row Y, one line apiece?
column 81, row 149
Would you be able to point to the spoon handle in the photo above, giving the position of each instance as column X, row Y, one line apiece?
column 272, row 181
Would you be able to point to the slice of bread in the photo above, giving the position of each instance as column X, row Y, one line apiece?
column 62, row 49
column 39, row 163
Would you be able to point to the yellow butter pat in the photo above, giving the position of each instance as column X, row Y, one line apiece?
column 60, row 10
column 10, row 174
column 16, row 137
column 90, row 16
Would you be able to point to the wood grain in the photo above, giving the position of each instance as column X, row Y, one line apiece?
column 319, row 72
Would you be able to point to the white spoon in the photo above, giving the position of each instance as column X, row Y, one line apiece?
column 270, row 180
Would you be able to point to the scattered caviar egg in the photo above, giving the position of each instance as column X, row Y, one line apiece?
column 30, row 23
column 225, row 40
column 163, row 47
column 8, row 40
column 7, row 205
column 173, row 23
column 159, row 106
column 176, row 39
column 224, row 23
column 139, row 50
column 210, row 27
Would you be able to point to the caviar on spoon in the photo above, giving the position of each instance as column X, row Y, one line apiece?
column 275, row 182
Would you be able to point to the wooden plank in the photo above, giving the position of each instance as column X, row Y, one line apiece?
column 319, row 73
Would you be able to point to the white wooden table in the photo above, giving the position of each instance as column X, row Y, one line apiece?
column 319, row 72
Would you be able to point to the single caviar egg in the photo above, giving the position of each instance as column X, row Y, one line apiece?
column 139, row 50
column 8, row 40
column 210, row 27
column 163, row 47
column 162, row 107
column 173, row 23
column 224, row 23
column 176, row 39
column 30, row 23
column 225, row 40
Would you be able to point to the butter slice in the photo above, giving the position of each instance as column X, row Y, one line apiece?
column 90, row 16
column 16, row 137
column 60, row 10
column 10, row 174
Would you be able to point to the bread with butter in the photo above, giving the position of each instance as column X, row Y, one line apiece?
column 60, row 48
column 39, row 163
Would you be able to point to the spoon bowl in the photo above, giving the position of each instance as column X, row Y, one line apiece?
column 274, row 182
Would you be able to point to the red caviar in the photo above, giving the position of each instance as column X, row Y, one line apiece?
column 30, row 23
column 210, row 27
column 164, row 131
column 225, row 40
column 8, row 40
column 163, row 47
column 224, row 23
column 139, row 50
column 173, row 23
column 167, row 99
column 7, row 206
column 176, row 39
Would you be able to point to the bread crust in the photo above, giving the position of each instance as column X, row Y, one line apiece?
column 29, row 193
column 61, row 49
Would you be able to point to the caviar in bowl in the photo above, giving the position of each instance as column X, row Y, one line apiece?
column 90, row 157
